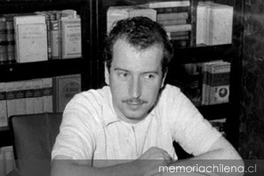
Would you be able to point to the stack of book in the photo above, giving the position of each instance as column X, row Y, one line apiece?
column 175, row 17
column 214, row 24
column 116, row 13
column 207, row 83
column 37, row 95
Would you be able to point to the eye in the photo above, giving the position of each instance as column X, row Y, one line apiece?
column 149, row 76
column 122, row 74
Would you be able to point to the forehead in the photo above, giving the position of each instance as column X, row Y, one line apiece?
column 128, row 56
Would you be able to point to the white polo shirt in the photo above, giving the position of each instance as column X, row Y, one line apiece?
column 91, row 130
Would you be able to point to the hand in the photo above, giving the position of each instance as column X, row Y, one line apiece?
column 153, row 158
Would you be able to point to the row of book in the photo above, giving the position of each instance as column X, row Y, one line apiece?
column 40, row 36
column 173, row 15
column 7, row 162
column 207, row 83
column 37, row 95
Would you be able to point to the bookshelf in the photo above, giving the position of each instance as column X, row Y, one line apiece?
column 193, row 53
column 50, row 68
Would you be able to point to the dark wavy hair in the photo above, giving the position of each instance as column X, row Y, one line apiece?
column 142, row 33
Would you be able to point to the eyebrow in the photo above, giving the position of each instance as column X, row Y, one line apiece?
column 121, row 69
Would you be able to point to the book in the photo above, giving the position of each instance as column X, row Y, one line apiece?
column 3, row 40
column 162, row 4
column 206, row 68
column 116, row 13
column 47, row 89
column 220, row 24
column 219, row 83
column 202, row 24
column 37, row 96
column 3, row 110
column 172, row 9
column 54, row 39
column 65, row 87
column 214, row 23
column 177, row 28
column 31, row 38
column 29, row 97
column 172, row 16
column 172, row 22
column 10, row 37
column 20, row 97
column 71, row 45
column 10, row 98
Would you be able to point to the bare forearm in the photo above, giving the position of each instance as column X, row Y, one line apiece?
column 72, row 168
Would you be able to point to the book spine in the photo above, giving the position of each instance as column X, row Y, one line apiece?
column 20, row 97
column 177, row 28
column 172, row 16
column 163, row 4
column 3, row 110
column 29, row 96
column 54, row 34
column 47, row 94
column 10, row 98
column 10, row 35
column 3, row 40
column 37, row 99
column 173, row 22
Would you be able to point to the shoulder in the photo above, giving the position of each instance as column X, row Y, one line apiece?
column 94, row 96
column 170, row 93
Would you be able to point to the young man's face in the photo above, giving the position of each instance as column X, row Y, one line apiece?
column 135, row 79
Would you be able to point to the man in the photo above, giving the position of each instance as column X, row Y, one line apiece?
column 127, row 128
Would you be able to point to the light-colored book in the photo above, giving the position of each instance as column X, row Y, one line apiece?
column 172, row 16
column 29, row 96
column 214, row 24
column 65, row 87
column 219, row 83
column 10, row 98
column 71, row 44
column 116, row 13
column 221, row 24
column 37, row 96
column 31, row 38
column 3, row 110
column 47, row 89
column 177, row 28
column 202, row 24
column 162, row 4
column 20, row 97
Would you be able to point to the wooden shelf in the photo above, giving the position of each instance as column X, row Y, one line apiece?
column 24, row 71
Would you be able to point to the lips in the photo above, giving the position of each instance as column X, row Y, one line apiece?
column 134, row 104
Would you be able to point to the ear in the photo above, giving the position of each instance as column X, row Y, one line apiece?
column 164, row 78
column 106, row 74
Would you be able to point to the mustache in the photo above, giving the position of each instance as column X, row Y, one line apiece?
column 134, row 101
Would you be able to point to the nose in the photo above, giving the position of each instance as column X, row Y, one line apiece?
column 135, row 88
